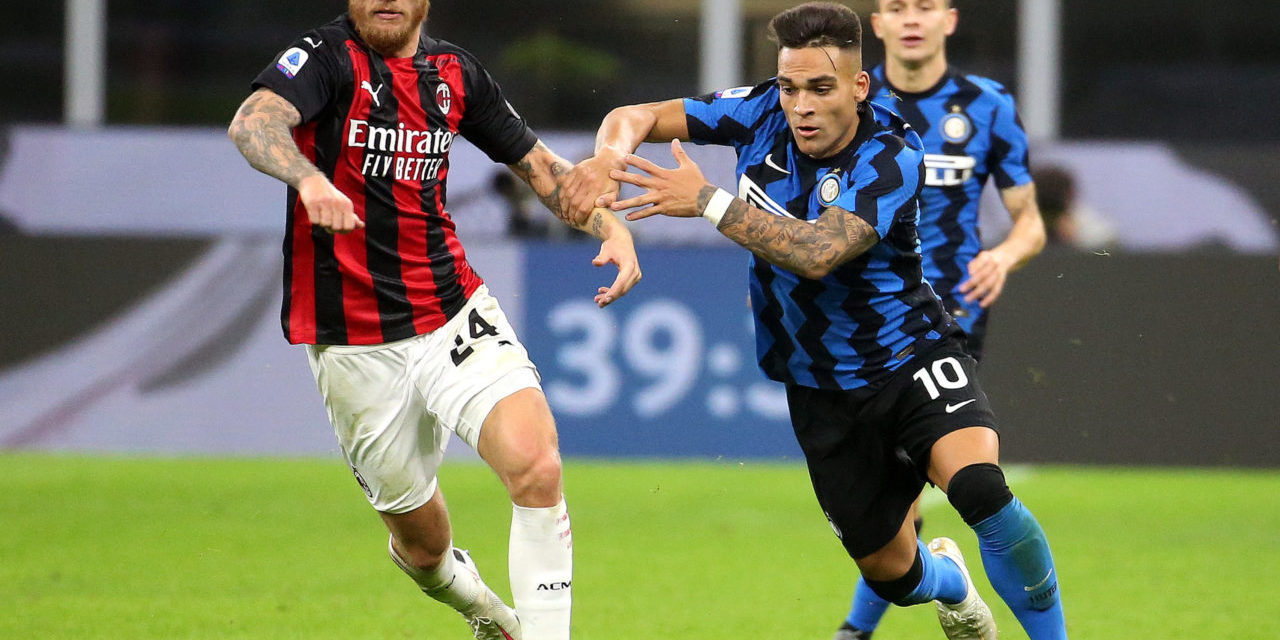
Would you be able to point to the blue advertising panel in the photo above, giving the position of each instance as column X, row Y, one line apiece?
column 669, row 370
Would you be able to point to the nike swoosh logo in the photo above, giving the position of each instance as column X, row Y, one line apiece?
column 769, row 161
column 952, row 408
column 1041, row 583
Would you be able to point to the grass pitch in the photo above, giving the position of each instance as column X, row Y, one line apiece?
column 276, row 549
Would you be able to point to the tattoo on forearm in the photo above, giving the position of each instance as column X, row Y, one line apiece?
column 796, row 245
column 704, row 197
column 262, row 132
column 597, row 224
column 546, row 184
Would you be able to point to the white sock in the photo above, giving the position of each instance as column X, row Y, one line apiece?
column 541, row 566
column 452, row 583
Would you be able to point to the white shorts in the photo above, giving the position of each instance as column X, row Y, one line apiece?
column 392, row 405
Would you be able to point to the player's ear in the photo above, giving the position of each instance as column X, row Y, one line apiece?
column 862, row 86
column 875, row 25
column 953, row 19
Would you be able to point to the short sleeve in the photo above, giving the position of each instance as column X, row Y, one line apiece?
column 729, row 117
column 305, row 74
column 1008, row 159
column 490, row 122
column 877, row 189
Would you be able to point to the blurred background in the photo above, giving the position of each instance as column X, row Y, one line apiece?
column 140, row 255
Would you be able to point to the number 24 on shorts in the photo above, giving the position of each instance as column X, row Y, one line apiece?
column 478, row 328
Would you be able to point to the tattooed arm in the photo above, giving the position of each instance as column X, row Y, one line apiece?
column 811, row 250
column 545, row 172
column 262, row 131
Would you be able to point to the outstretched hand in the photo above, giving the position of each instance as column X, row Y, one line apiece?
column 669, row 192
column 620, row 251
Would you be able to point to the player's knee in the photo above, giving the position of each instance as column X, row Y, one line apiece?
column 536, row 481
column 978, row 491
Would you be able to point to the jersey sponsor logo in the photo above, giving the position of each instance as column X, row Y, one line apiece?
column 315, row 44
column 388, row 147
column 768, row 160
column 956, row 128
column 947, row 171
column 829, row 190
column 291, row 62
column 373, row 93
column 952, row 408
column 756, row 197
column 736, row 92
column 444, row 98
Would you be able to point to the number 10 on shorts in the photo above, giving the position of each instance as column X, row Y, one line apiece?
column 946, row 373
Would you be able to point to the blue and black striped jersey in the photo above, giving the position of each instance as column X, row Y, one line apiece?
column 850, row 329
column 971, row 131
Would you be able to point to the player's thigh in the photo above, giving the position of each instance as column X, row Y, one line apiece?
column 476, row 364
column 863, row 484
column 945, row 419
column 392, row 444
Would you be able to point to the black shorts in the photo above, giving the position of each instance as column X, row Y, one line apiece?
column 868, row 453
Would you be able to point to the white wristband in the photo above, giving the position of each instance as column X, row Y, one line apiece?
column 717, row 206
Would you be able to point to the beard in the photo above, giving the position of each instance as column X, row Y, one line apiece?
column 388, row 39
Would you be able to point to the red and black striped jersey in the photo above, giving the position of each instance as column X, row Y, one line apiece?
column 380, row 129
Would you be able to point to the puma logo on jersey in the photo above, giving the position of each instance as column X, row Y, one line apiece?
column 315, row 44
column 373, row 93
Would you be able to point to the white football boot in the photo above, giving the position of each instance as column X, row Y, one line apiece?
column 490, row 618
column 971, row 618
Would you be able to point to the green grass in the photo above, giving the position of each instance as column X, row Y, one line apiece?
column 218, row 548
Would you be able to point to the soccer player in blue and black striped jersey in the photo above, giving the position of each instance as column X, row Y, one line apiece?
column 971, row 133
column 883, row 396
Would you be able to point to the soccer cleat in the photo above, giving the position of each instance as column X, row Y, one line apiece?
column 970, row 619
column 850, row 632
column 490, row 618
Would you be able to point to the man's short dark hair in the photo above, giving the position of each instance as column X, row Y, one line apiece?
column 817, row 24
column 946, row 3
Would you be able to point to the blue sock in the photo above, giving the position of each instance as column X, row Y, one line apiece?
column 941, row 580
column 867, row 608
column 1016, row 556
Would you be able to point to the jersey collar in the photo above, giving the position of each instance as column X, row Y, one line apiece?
column 883, row 76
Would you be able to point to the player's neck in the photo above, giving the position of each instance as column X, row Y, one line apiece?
column 916, row 78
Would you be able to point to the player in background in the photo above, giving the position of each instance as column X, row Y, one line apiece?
column 357, row 117
column 882, row 395
column 971, row 133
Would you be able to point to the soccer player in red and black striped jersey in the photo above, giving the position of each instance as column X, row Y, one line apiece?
column 357, row 117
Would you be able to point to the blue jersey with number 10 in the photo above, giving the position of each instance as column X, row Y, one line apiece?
column 866, row 318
